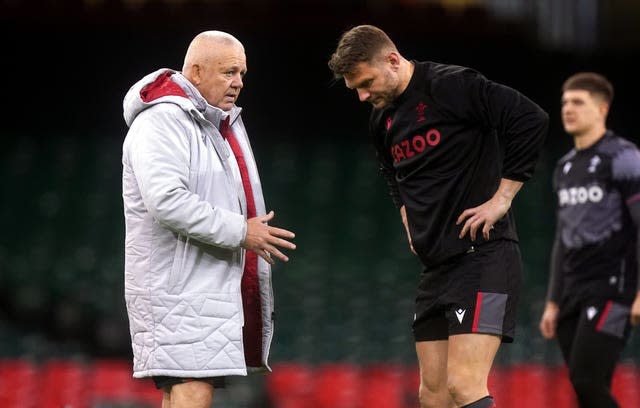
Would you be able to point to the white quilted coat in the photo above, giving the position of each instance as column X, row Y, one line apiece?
column 184, row 224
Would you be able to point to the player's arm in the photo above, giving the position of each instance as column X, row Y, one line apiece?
column 634, row 210
column 521, row 126
column 403, row 216
column 487, row 214
column 549, row 320
column 387, row 172
column 625, row 173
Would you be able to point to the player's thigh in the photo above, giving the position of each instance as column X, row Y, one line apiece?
column 432, row 360
column 472, row 354
column 566, row 331
column 600, row 336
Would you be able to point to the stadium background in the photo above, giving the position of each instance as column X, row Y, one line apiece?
column 345, row 298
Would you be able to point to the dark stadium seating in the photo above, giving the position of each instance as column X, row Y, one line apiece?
column 395, row 386
column 343, row 302
column 60, row 383
column 63, row 382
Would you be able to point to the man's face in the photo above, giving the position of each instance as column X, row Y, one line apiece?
column 376, row 83
column 221, row 78
column 581, row 112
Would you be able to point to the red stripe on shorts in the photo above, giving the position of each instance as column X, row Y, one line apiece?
column 476, row 314
column 603, row 316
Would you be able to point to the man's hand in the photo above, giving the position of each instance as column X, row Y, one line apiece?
column 265, row 240
column 403, row 215
column 635, row 310
column 488, row 213
column 549, row 320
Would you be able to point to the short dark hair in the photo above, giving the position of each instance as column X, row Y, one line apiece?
column 591, row 82
column 359, row 44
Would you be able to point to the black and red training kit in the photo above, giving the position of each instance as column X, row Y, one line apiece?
column 594, row 262
column 595, row 254
column 443, row 147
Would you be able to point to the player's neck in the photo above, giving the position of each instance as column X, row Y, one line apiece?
column 406, row 72
column 588, row 139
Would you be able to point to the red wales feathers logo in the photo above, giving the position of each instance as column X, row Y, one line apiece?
column 420, row 108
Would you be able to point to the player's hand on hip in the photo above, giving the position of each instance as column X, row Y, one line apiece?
column 487, row 214
column 481, row 218
column 265, row 240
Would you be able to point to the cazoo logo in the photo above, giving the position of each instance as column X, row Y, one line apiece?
column 580, row 195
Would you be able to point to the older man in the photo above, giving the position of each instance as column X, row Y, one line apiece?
column 198, row 245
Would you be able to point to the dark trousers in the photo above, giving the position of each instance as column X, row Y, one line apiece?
column 591, row 356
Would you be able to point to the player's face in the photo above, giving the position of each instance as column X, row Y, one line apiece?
column 222, row 77
column 581, row 112
column 376, row 83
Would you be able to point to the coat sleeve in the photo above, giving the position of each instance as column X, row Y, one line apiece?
column 158, row 152
column 520, row 123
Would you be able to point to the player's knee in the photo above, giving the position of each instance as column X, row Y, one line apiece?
column 455, row 387
column 430, row 399
column 424, row 396
column 431, row 385
column 433, row 393
column 461, row 384
column 427, row 392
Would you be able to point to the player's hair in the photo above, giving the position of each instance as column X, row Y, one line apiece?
column 591, row 82
column 359, row 44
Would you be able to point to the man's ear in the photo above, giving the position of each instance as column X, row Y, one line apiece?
column 604, row 109
column 393, row 58
column 196, row 74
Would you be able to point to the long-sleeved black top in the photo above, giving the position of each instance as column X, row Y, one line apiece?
column 443, row 147
column 596, row 249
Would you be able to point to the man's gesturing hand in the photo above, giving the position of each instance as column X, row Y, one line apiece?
column 265, row 240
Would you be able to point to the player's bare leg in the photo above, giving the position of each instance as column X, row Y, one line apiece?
column 470, row 359
column 166, row 397
column 432, row 360
column 191, row 394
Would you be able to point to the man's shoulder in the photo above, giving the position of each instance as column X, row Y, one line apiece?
column 165, row 110
column 614, row 147
column 566, row 157
column 625, row 156
column 615, row 143
column 435, row 71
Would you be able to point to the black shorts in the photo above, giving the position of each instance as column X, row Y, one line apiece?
column 475, row 292
column 164, row 382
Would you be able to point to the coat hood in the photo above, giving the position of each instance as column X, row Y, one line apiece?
column 169, row 86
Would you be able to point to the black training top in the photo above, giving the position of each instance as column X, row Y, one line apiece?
column 445, row 144
column 595, row 250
